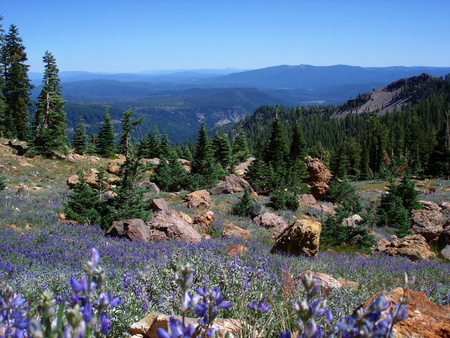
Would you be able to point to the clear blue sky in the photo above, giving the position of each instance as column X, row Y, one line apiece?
column 139, row 35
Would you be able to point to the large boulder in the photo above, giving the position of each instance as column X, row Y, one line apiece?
column 241, row 168
column 168, row 224
column 159, row 204
column 319, row 176
column 414, row 247
column 425, row 319
column 114, row 166
column 151, row 187
column 306, row 200
column 232, row 184
column 300, row 238
column 270, row 220
column 133, row 229
column 234, row 231
column 428, row 205
column 205, row 220
column 427, row 223
column 197, row 199
column 186, row 164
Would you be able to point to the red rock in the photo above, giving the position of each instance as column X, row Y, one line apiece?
column 199, row 198
column 159, row 204
column 319, row 175
column 234, row 231
column 133, row 229
column 270, row 221
column 168, row 224
column 425, row 319
column 205, row 220
column 236, row 250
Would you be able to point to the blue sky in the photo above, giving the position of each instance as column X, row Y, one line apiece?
column 139, row 35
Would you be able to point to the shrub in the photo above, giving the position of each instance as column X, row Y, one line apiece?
column 243, row 204
column 283, row 200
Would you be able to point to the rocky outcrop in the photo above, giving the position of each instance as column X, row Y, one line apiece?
column 168, row 224
column 306, row 200
column 425, row 319
column 114, row 166
column 255, row 210
column 234, row 231
column 270, row 220
column 414, row 247
column 133, row 229
column 353, row 221
column 428, row 205
column 151, row 187
column 186, row 164
column 205, row 220
column 241, row 168
column 300, row 238
column 198, row 199
column 232, row 184
column 319, row 176
column 147, row 327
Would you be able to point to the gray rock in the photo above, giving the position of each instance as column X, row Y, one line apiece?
column 133, row 229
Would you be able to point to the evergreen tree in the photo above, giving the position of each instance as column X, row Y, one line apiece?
column 297, row 170
column 187, row 153
column 243, row 204
column 127, row 128
column 222, row 150
column 17, row 86
column 240, row 147
column 48, row 133
column 150, row 147
column 166, row 150
column 203, row 162
column 277, row 149
column 106, row 141
column 439, row 164
column 2, row 81
column 80, row 138
column 260, row 176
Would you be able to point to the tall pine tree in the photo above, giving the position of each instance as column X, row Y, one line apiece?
column 127, row 128
column 17, row 86
column 80, row 138
column 106, row 140
column 48, row 132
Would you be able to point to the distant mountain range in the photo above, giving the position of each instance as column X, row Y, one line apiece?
column 172, row 99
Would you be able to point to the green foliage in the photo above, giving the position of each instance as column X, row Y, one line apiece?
column 276, row 151
column 106, row 141
column 222, row 150
column 334, row 233
column 343, row 193
column 284, row 200
column 48, row 132
column 80, row 138
column 16, row 87
column 127, row 128
column 240, row 147
column 170, row 175
column 243, row 204
column 2, row 182
column 150, row 147
column 203, row 166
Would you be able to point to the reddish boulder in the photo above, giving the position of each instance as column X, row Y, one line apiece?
column 234, row 231
column 168, row 224
column 425, row 319
column 197, row 199
column 205, row 220
column 159, row 204
column 319, row 176
column 133, row 229
column 414, row 247
column 270, row 220
column 232, row 184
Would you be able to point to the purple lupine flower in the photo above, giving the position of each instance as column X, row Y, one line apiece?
column 259, row 306
column 176, row 330
column 286, row 334
column 95, row 258
column 104, row 323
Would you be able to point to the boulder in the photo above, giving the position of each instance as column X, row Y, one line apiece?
column 428, row 205
column 425, row 319
column 197, row 199
column 147, row 327
column 159, row 204
column 234, row 231
column 306, row 200
column 414, row 247
column 241, row 168
column 168, row 224
column 91, row 178
column 446, row 252
column 232, row 184
column 73, row 180
column 353, row 221
column 445, row 207
column 186, row 164
column 151, row 161
column 300, row 238
column 114, row 166
column 444, row 238
column 318, row 178
column 150, row 186
column 255, row 210
column 205, row 220
column 427, row 223
column 133, row 229
column 236, row 250
column 270, row 221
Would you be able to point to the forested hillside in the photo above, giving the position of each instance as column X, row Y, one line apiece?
column 412, row 135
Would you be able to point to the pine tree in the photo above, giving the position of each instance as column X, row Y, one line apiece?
column 277, row 149
column 297, row 166
column 187, row 153
column 166, row 150
column 203, row 162
column 240, row 147
column 243, row 204
column 150, row 147
column 17, row 86
column 222, row 150
column 106, row 141
column 48, row 132
column 2, row 81
column 127, row 128
column 80, row 138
